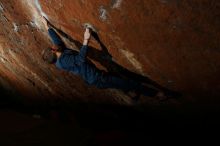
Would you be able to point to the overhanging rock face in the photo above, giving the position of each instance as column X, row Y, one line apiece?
column 175, row 43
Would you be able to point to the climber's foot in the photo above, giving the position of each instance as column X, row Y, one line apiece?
column 135, row 96
column 161, row 96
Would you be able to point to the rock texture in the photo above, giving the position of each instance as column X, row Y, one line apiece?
column 175, row 43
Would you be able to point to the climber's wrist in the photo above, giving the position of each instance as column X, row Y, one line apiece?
column 85, row 42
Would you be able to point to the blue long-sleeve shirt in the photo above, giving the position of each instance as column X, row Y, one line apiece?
column 75, row 62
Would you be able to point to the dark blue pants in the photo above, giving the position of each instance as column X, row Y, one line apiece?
column 111, row 81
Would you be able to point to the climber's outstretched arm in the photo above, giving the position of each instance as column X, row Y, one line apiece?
column 84, row 49
column 53, row 35
column 56, row 38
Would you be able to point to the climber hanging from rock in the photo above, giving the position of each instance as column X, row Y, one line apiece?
column 78, row 64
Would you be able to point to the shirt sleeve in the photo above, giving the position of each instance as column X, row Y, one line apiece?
column 55, row 38
column 82, row 54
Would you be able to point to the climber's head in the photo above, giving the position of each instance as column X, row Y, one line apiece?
column 49, row 55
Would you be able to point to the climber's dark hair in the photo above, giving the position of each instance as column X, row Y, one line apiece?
column 49, row 56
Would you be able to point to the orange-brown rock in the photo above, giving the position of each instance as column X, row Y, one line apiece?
column 175, row 43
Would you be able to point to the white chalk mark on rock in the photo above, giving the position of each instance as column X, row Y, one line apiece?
column 15, row 27
column 40, row 9
column 36, row 11
column 131, row 58
column 117, row 4
column 103, row 13
column 1, row 7
column 2, row 58
column 32, row 24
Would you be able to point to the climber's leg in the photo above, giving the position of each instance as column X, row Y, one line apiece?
column 109, row 81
